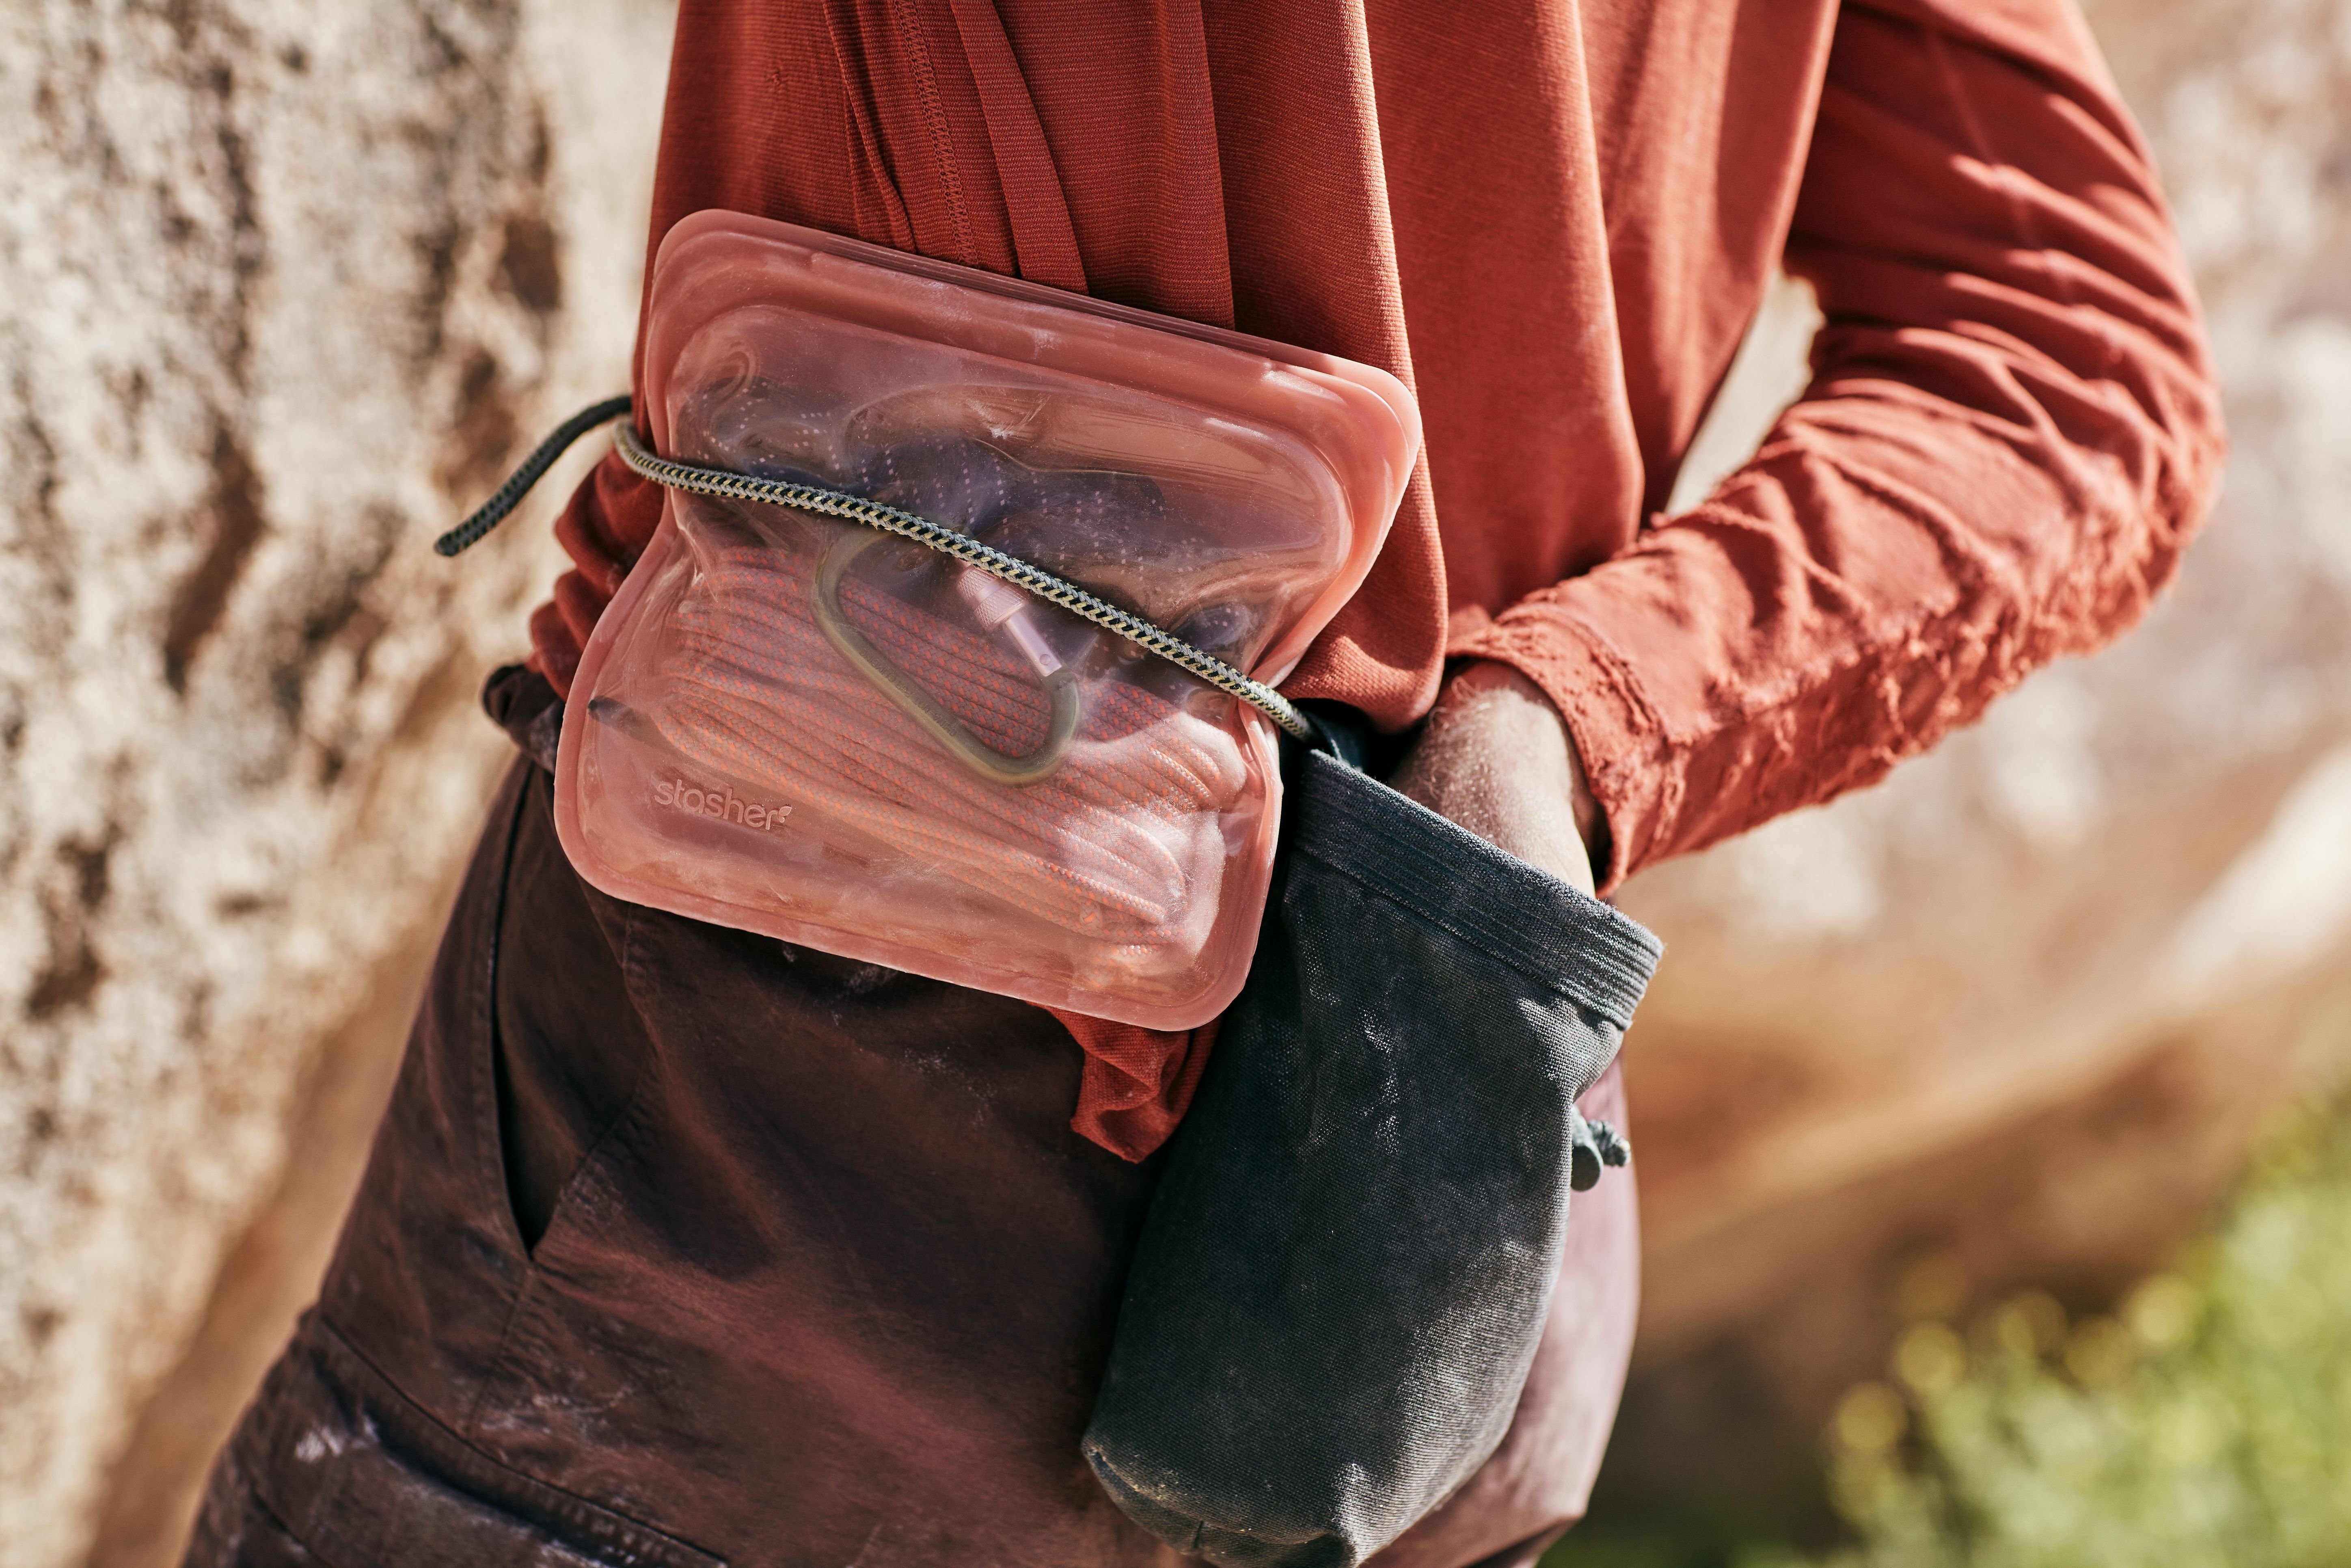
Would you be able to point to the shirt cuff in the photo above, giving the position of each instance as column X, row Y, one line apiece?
column 1619, row 740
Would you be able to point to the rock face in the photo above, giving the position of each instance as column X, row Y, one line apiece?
column 2010, row 1016
column 286, row 284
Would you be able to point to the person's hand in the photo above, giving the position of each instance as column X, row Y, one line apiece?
column 1496, row 757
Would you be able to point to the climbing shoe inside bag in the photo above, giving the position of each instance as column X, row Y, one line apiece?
column 969, row 671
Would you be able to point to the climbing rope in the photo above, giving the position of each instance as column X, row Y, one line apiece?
column 1118, row 846
column 726, row 484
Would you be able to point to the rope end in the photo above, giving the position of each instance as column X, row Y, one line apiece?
column 493, row 512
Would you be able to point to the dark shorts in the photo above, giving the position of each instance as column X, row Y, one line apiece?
column 680, row 1246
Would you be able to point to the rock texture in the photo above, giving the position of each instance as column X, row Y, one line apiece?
column 286, row 284
column 2010, row 1016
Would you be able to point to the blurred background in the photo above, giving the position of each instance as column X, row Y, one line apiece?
column 1988, row 1216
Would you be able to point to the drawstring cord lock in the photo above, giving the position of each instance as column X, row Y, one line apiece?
column 1596, row 1144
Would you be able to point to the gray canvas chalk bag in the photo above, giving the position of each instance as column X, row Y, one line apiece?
column 1348, row 1261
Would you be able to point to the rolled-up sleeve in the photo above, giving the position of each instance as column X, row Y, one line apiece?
column 2011, row 432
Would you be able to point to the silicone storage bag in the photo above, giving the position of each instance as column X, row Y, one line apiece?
column 800, row 725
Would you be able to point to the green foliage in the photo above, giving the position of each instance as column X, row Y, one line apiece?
column 2205, row 1424
column 2208, row 1422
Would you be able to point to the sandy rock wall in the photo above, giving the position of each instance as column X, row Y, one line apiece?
column 2010, row 1016
column 286, row 283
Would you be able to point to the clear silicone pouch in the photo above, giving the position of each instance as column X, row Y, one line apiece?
column 794, row 725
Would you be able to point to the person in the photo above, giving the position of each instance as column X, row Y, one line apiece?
column 679, row 1246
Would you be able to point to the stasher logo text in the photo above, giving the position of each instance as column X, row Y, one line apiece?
column 681, row 796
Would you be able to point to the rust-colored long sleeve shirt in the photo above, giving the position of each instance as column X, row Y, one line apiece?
column 1554, row 220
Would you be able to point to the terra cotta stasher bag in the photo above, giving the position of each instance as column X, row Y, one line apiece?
column 801, row 725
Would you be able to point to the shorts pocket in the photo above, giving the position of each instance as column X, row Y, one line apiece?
column 364, row 1478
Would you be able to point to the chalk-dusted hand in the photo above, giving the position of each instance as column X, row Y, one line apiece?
column 1496, row 757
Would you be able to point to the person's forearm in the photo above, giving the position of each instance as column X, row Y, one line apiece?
column 1496, row 758
column 2011, row 434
